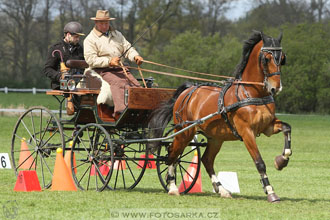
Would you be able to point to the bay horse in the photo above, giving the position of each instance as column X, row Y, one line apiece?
column 243, row 109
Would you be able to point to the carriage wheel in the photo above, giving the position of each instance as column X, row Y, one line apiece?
column 130, row 165
column 37, row 135
column 92, row 158
column 186, row 161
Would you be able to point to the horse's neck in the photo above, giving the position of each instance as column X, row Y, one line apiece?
column 252, row 71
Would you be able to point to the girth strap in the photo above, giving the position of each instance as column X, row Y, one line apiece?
column 223, row 110
column 249, row 101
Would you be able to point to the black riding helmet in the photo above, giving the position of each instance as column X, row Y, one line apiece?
column 73, row 27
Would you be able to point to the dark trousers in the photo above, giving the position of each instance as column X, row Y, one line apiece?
column 118, row 83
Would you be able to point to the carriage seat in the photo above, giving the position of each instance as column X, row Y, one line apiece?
column 76, row 64
column 93, row 81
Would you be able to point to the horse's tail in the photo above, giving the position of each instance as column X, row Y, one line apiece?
column 161, row 116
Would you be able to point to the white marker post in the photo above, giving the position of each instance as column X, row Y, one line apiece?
column 229, row 181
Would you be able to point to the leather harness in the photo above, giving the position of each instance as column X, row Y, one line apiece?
column 223, row 110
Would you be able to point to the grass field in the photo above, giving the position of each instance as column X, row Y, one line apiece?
column 303, row 186
column 26, row 100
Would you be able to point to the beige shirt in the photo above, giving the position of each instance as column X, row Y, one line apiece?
column 100, row 49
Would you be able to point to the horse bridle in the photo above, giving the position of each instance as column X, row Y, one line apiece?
column 276, row 53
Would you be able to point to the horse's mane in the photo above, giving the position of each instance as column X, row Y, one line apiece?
column 247, row 48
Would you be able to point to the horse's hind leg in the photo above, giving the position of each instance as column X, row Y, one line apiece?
column 179, row 143
column 212, row 149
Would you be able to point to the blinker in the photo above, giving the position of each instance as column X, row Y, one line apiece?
column 276, row 52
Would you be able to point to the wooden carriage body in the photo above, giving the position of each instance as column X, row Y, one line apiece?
column 139, row 101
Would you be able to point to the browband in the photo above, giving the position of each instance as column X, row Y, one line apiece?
column 271, row 48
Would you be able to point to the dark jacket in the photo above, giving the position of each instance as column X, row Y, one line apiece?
column 52, row 65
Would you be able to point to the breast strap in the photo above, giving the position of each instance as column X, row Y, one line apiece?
column 223, row 110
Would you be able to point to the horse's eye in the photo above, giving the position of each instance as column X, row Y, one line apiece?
column 283, row 62
column 266, row 60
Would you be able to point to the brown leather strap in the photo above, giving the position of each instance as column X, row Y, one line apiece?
column 196, row 78
column 176, row 75
column 189, row 71
column 107, row 69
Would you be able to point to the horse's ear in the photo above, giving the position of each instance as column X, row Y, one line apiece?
column 262, row 36
column 280, row 37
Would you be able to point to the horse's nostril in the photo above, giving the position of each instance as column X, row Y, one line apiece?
column 273, row 91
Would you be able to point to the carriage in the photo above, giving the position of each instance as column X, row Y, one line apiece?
column 110, row 151
column 107, row 151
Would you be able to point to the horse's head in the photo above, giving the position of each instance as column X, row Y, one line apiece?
column 271, row 58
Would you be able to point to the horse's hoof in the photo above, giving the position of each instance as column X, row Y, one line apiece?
column 174, row 192
column 273, row 198
column 226, row 195
column 280, row 162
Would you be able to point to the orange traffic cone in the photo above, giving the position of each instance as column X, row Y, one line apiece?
column 62, row 181
column 25, row 161
column 187, row 179
column 27, row 180
column 150, row 165
column 67, row 159
column 119, row 165
column 104, row 169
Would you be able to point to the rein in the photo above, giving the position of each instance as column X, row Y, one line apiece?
column 192, row 77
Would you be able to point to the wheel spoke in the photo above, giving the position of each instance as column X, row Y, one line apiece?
column 53, row 134
column 49, row 170
column 44, row 131
column 183, row 155
column 131, row 172
column 184, row 182
column 166, row 168
column 94, row 147
column 88, row 168
column 42, row 171
column 25, row 160
column 23, row 123
column 34, row 124
column 116, row 179
column 98, row 171
column 33, row 127
column 40, row 124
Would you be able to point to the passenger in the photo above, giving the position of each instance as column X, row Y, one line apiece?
column 103, row 48
column 70, row 49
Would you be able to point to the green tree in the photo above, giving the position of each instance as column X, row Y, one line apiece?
column 305, row 46
column 195, row 52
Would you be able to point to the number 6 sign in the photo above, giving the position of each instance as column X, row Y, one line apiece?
column 4, row 161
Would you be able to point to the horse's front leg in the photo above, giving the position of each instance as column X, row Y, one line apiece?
column 251, row 145
column 282, row 161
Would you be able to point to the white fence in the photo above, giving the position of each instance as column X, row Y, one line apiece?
column 33, row 90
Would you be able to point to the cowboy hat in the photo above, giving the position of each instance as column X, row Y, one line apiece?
column 102, row 15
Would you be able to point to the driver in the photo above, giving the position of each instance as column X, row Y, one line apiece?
column 70, row 49
column 103, row 50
